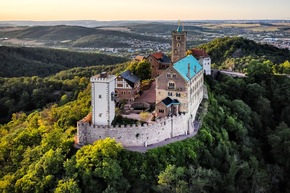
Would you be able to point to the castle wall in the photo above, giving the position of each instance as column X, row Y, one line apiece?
column 137, row 135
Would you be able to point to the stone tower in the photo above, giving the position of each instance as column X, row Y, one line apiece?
column 178, row 44
column 103, row 104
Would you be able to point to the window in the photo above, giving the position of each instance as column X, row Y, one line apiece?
column 119, row 85
column 175, row 51
column 168, row 75
column 112, row 96
column 178, row 38
column 100, row 115
column 171, row 85
column 178, row 94
column 100, row 96
column 174, row 75
column 161, row 111
column 169, row 93
column 178, row 45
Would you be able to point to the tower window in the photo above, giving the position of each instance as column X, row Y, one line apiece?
column 178, row 45
column 171, row 85
column 100, row 96
column 178, row 38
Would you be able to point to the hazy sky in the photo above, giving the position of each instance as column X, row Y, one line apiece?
column 143, row 10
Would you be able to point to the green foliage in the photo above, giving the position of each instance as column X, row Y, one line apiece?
column 255, row 68
column 141, row 69
column 99, row 161
column 242, row 146
column 29, row 93
column 25, row 61
column 236, row 53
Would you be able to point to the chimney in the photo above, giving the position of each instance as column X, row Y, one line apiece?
column 103, row 75
column 188, row 70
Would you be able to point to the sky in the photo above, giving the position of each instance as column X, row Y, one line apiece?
column 107, row 10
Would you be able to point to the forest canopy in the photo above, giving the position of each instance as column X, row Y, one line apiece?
column 242, row 145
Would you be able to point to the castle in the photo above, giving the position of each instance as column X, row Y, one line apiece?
column 179, row 92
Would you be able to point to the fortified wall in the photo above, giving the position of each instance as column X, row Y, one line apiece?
column 136, row 135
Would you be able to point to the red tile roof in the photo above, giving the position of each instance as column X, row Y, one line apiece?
column 197, row 53
column 158, row 55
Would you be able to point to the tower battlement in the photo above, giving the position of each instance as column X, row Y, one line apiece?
column 109, row 78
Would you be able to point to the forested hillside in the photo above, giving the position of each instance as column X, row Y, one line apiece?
column 235, row 53
column 25, row 94
column 23, row 61
column 242, row 146
column 75, row 36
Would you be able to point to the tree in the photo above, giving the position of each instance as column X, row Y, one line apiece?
column 141, row 69
column 172, row 180
column 67, row 186
column 255, row 68
column 280, row 143
column 98, row 166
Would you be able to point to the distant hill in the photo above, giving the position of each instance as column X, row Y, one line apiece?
column 74, row 36
column 23, row 61
column 167, row 28
column 221, row 49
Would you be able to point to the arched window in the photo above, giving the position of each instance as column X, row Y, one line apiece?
column 171, row 85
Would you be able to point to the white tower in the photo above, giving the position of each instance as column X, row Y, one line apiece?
column 103, row 104
column 206, row 63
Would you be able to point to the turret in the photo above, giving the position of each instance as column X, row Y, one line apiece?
column 178, row 44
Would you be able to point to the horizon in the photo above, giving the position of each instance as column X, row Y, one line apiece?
column 129, row 10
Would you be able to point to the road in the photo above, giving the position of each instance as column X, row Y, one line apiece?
column 233, row 74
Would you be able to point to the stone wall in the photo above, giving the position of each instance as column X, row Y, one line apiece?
column 137, row 135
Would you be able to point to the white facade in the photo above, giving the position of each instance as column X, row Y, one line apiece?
column 103, row 104
column 206, row 63
column 195, row 93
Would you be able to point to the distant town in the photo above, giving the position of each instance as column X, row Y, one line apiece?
column 131, row 38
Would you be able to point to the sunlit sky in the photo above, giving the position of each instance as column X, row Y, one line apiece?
column 44, row 10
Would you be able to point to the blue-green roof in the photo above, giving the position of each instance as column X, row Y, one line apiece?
column 182, row 67
column 179, row 29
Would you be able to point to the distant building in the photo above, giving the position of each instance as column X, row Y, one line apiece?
column 203, row 58
column 179, row 89
column 139, row 58
column 127, row 86
column 159, row 62
column 103, row 104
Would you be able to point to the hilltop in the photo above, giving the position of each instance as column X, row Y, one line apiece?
column 222, row 50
